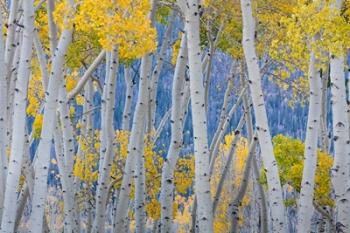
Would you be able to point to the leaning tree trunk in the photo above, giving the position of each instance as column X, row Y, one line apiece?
column 134, row 147
column 177, row 119
column 262, row 128
column 157, row 70
column 305, row 211
column 19, row 130
column 204, row 221
column 43, row 159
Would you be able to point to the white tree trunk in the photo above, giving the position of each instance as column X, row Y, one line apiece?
column 305, row 211
column 134, row 147
column 157, row 70
column 270, row 165
column 67, row 185
column 19, row 129
column 340, row 170
column 87, row 75
column 10, row 45
column 107, row 136
column 52, row 26
column 43, row 159
column 177, row 122
column 129, row 82
column 3, row 119
column 204, row 221
column 71, row 210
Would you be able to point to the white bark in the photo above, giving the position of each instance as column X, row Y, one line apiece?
column 161, row 125
column 70, row 207
column 220, row 132
column 68, row 196
column 204, row 221
column 134, row 147
column 11, row 88
column 106, row 151
column 157, row 70
column 234, row 205
column 82, row 81
column 52, row 26
column 177, row 122
column 3, row 119
column 305, row 211
column 340, row 170
column 228, row 162
column 19, row 131
column 42, row 162
column 273, row 181
column 42, row 60
column 129, row 82
column 10, row 45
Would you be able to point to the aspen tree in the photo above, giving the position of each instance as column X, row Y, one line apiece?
column 262, row 128
column 177, row 121
column 43, row 157
column 19, row 117
column 204, row 214
column 308, row 182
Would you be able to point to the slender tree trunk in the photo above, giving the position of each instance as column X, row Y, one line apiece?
column 52, row 26
column 305, row 212
column 199, row 121
column 87, row 75
column 129, row 82
column 234, row 206
column 42, row 162
column 134, row 147
column 324, row 112
column 71, row 208
column 68, row 198
column 221, row 130
column 19, row 130
column 176, row 141
column 263, row 131
column 11, row 45
column 157, row 70
column 228, row 163
column 106, row 151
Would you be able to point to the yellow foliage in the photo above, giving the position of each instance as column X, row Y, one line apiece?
column 233, row 179
column 184, row 174
column 37, row 125
column 123, row 23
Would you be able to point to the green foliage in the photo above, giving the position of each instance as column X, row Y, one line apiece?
column 289, row 153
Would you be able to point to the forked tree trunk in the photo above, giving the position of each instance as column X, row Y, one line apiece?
column 134, row 147
column 305, row 212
